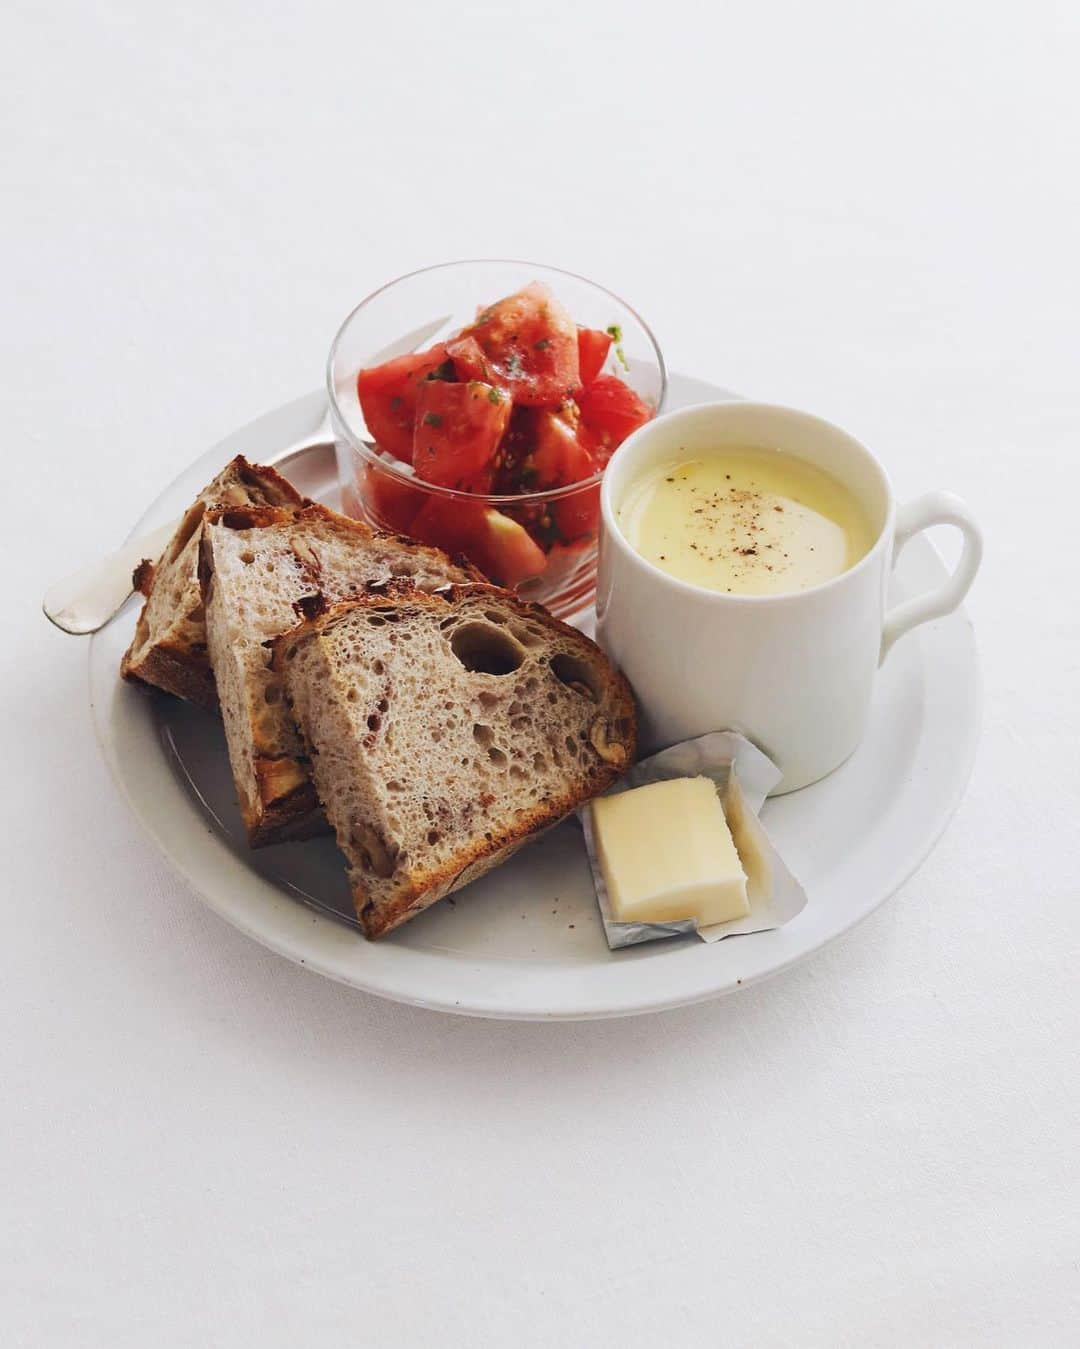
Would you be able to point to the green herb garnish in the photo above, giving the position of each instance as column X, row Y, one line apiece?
column 543, row 344
column 432, row 419
column 495, row 395
column 614, row 331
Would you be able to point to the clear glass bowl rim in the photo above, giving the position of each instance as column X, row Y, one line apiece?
column 361, row 448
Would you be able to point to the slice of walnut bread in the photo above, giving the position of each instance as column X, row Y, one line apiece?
column 262, row 570
column 169, row 646
column 445, row 730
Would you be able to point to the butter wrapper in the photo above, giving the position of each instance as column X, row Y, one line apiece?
column 744, row 776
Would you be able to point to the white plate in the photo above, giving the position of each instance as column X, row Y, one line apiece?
column 526, row 941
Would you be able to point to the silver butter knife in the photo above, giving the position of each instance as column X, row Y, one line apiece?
column 87, row 599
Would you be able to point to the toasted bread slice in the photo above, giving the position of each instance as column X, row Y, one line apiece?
column 169, row 646
column 444, row 731
column 262, row 569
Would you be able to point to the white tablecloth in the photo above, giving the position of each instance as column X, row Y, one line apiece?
column 868, row 211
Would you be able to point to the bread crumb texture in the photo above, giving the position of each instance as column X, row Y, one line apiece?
column 260, row 568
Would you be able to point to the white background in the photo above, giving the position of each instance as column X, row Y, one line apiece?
column 867, row 210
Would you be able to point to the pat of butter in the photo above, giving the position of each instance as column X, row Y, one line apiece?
column 666, row 853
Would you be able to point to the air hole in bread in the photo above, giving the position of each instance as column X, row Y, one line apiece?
column 377, row 667
column 483, row 735
column 272, row 693
column 487, row 699
column 352, row 695
column 374, row 722
column 376, row 620
column 539, row 763
column 497, row 757
column 571, row 746
column 518, row 773
column 395, row 786
column 493, row 616
column 433, row 837
column 527, row 636
column 247, row 557
column 532, row 684
column 576, row 675
column 485, row 649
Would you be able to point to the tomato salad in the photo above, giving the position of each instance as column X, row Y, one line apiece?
column 515, row 404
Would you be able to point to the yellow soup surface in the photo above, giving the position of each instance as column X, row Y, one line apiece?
column 746, row 521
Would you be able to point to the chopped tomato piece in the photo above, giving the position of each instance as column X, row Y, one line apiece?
column 530, row 344
column 389, row 499
column 458, row 429
column 535, row 519
column 387, row 396
column 573, row 519
column 551, row 449
column 611, row 410
column 577, row 515
column 593, row 347
column 499, row 546
column 468, row 358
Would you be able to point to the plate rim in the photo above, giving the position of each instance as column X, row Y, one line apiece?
column 285, row 926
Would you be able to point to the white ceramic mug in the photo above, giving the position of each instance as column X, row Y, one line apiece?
column 794, row 673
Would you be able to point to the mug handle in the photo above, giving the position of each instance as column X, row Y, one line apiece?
column 933, row 508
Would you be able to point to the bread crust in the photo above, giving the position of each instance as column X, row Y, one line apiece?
column 142, row 578
column 260, row 517
column 474, row 859
column 177, row 670
column 287, row 810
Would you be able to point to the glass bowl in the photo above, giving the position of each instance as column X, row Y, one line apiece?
column 382, row 490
